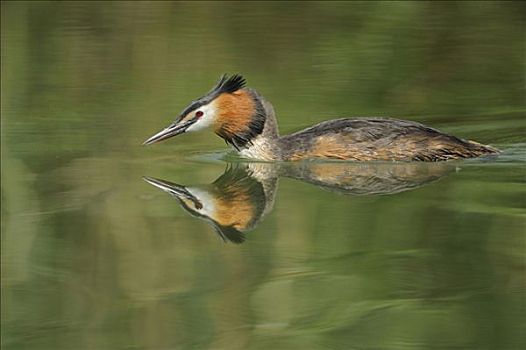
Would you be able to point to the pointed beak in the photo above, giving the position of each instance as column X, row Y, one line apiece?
column 173, row 130
column 174, row 189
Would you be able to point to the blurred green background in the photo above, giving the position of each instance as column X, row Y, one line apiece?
column 94, row 258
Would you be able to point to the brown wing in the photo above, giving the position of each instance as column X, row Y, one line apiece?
column 379, row 139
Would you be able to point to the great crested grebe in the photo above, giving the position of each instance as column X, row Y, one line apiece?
column 245, row 120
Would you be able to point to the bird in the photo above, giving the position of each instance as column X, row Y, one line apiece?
column 247, row 122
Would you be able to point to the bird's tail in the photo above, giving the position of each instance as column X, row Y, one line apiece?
column 479, row 149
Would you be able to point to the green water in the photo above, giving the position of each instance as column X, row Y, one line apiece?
column 332, row 256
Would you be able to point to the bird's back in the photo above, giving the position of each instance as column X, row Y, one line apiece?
column 366, row 139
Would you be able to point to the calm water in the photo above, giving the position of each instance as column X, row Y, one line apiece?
column 241, row 255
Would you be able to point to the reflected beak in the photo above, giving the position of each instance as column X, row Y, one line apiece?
column 173, row 189
column 172, row 130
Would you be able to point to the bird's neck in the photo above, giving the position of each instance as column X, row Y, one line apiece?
column 264, row 146
column 247, row 122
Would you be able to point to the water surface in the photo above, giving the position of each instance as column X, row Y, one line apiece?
column 311, row 255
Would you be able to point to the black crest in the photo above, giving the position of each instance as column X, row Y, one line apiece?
column 225, row 84
column 229, row 85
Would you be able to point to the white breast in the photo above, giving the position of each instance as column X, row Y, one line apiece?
column 259, row 149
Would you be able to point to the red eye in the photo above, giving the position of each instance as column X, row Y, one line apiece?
column 199, row 114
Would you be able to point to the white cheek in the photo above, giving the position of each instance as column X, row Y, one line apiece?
column 206, row 200
column 208, row 118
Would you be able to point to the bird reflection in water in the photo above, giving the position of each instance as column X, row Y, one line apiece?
column 238, row 200
column 233, row 204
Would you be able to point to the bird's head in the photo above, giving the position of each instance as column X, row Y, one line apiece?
column 232, row 111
